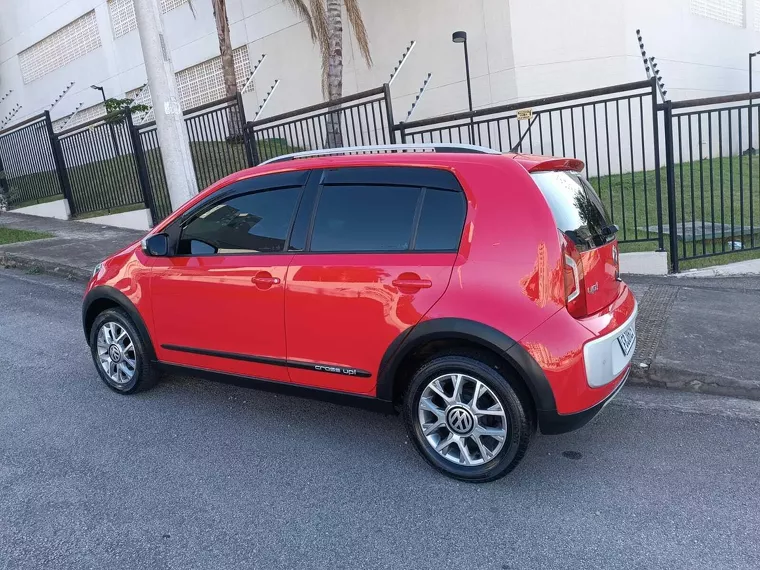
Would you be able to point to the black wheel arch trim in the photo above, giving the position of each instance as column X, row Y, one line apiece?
column 471, row 331
column 123, row 302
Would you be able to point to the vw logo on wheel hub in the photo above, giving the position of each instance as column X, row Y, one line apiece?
column 115, row 353
column 460, row 420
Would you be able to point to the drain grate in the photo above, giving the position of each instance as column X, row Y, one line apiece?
column 654, row 309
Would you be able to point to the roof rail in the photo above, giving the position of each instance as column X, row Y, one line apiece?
column 386, row 148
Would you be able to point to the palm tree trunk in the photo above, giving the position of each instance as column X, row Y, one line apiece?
column 228, row 66
column 334, row 70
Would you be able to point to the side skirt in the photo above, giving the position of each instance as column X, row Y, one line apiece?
column 332, row 396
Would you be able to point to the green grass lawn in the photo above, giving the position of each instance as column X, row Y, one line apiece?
column 10, row 235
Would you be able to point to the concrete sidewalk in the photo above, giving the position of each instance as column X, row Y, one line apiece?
column 700, row 334
column 74, row 250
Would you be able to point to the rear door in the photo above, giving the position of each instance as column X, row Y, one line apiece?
column 376, row 254
column 582, row 217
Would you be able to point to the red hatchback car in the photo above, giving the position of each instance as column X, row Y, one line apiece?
column 475, row 291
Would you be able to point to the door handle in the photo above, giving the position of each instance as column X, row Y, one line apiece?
column 264, row 280
column 412, row 283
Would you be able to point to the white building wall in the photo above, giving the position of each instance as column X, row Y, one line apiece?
column 519, row 50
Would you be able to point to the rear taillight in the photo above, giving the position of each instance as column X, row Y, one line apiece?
column 572, row 273
column 616, row 260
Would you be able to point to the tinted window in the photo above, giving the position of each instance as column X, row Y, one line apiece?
column 253, row 223
column 364, row 218
column 577, row 209
column 441, row 221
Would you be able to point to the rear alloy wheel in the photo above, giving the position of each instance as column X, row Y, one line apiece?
column 466, row 418
column 119, row 353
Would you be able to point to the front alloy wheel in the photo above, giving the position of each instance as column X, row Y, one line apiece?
column 116, row 353
column 120, row 353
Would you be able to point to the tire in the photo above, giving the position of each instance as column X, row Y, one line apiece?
column 114, row 322
column 483, row 461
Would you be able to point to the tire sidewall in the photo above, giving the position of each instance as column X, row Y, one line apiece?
column 515, row 416
column 118, row 317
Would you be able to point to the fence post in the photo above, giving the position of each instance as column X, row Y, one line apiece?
column 671, row 178
column 60, row 164
column 389, row 112
column 142, row 167
column 249, row 153
column 658, row 181
column 402, row 130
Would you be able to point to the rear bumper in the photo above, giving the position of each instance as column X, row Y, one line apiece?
column 553, row 423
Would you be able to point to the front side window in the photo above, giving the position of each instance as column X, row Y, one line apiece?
column 251, row 223
column 364, row 218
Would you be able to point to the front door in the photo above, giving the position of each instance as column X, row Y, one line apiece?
column 219, row 301
column 379, row 255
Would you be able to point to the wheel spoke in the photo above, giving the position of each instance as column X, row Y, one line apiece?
column 444, row 443
column 475, row 395
column 495, row 410
column 458, row 382
column 464, row 453
column 427, row 429
column 495, row 432
column 436, row 387
column 485, row 453
column 427, row 405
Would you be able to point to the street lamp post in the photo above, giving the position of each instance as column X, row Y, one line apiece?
column 114, row 140
column 460, row 37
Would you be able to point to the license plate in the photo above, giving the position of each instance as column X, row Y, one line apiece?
column 627, row 340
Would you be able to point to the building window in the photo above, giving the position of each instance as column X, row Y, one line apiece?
column 59, row 48
column 123, row 19
column 726, row 11
column 82, row 116
column 141, row 96
column 204, row 83
column 196, row 85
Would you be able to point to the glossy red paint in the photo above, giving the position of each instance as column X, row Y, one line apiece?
column 226, row 303
column 345, row 310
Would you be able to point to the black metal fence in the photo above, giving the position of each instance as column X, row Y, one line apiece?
column 713, row 176
column 101, row 166
column 28, row 163
column 361, row 119
column 711, row 173
column 613, row 130
column 217, row 140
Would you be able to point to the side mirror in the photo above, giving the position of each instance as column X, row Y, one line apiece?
column 610, row 230
column 156, row 245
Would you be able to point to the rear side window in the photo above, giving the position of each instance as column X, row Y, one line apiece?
column 577, row 209
column 441, row 221
column 364, row 218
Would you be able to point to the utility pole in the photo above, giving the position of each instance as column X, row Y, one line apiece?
column 172, row 134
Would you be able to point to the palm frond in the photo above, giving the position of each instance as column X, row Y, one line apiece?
column 300, row 8
column 360, row 31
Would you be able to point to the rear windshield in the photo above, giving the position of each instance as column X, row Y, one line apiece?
column 577, row 209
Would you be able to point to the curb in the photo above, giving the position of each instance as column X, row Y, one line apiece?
column 14, row 260
column 670, row 378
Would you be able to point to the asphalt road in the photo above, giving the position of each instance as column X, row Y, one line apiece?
column 196, row 474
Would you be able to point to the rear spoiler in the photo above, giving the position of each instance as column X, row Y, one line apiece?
column 558, row 164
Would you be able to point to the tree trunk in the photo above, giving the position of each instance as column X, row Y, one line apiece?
column 334, row 70
column 228, row 67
